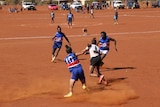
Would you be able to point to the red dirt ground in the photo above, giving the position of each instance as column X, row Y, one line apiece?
column 29, row 79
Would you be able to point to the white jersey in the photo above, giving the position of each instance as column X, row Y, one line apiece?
column 92, row 50
column 92, row 11
column 52, row 14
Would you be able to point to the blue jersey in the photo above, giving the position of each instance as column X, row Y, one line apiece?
column 72, row 61
column 59, row 36
column 58, row 40
column 74, row 67
column 104, row 44
column 70, row 15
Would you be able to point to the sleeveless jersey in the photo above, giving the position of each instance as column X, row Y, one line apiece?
column 69, row 15
column 59, row 37
column 104, row 44
column 72, row 61
column 52, row 14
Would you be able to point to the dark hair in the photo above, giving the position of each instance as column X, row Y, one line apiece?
column 68, row 49
column 103, row 35
column 94, row 41
column 58, row 27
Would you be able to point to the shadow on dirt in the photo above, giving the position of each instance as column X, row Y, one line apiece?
column 112, row 80
column 119, row 68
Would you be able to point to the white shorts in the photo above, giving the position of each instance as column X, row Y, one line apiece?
column 104, row 51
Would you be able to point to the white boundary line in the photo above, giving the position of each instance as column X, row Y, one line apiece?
column 46, row 37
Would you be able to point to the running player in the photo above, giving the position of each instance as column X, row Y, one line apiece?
column 57, row 42
column 70, row 18
column 75, row 69
column 104, row 44
column 95, row 60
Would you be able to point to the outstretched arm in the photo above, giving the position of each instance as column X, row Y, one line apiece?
column 115, row 43
column 83, row 51
column 67, row 39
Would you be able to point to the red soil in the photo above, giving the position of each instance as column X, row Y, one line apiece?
column 29, row 79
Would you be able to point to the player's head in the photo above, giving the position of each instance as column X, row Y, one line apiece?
column 68, row 49
column 103, row 35
column 94, row 41
column 58, row 28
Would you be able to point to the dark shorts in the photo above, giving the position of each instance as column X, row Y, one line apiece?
column 69, row 20
column 57, row 45
column 77, row 73
column 96, row 61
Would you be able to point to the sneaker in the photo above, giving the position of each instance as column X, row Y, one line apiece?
column 84, row 87
column 53, row 58
column 100, row 79
column 68, row 95
column 104, row 82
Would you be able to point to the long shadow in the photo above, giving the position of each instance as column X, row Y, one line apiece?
column 118, row 68
column 101, row 87
column 112, row 80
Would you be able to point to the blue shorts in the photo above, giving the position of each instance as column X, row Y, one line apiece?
column 115, row 17
column 77, row 73
column 69, row 20
column 57, row 45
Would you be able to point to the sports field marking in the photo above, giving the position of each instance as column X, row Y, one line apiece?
column 46, row 37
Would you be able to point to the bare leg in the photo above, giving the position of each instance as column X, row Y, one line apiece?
column 83, row 81
column 71, row 85
column 91, row 70
column 101, row 77
column 71, row 24
column 97, row 70
column 56, row 54
column 53, row 55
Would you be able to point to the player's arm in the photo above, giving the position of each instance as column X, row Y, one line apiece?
column 79, row 53
column 84, row 51
column 67, row 39
column 115, row 43
column 53, row 37
column 72, row 17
